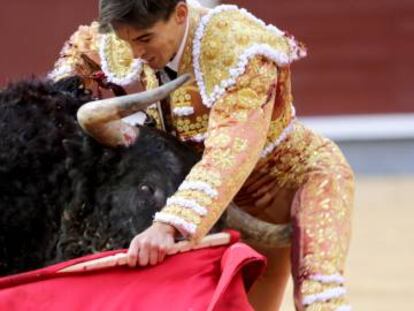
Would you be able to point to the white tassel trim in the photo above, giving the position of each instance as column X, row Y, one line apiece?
column 296, row 52
column 190, row 204
column 199, row 186
column 183, row 111
column 344, row 308
column 197, row 138
column 278, row 57
column 197, row 48
column 270, row 147
column 134, row 72
column 183, row 226
column 333, row 278
column 324, row 296
column 293, row 111
column 257, row 49
column 60, row 71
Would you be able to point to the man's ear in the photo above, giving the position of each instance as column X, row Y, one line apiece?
column 181, row 12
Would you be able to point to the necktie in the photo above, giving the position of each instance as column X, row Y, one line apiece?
column 170, row 73
column 164, row 105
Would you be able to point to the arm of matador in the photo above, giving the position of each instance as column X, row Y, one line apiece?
column 80, row 56
column 236, row 135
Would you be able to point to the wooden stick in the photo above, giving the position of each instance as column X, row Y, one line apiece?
column 120, row 259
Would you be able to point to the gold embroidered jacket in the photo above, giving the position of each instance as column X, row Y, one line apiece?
column 238, row 110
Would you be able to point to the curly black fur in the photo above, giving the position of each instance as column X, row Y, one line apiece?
column 61, row 194
column 34, row 119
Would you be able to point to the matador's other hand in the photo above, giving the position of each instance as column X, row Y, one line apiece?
column 152, row 245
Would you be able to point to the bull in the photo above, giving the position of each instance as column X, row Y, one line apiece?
column 64, row 195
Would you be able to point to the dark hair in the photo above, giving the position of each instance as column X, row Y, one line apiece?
column 142, row 14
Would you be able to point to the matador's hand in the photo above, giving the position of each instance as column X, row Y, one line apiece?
column 152, row 245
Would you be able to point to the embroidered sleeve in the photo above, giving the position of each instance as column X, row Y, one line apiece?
column 82, row 42
column 238, row 124
column 88, row 52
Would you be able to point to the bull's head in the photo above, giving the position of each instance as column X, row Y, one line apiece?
column 101, row 119
column 59, row 201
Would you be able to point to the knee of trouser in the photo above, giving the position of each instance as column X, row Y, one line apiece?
column 327, row 191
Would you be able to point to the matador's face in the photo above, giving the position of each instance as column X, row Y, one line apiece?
column 158, row 44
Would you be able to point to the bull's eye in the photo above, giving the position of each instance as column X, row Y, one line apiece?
column 146, row 189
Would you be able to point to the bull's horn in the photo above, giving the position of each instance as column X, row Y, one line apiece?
column 107, row 110
column 256, row 231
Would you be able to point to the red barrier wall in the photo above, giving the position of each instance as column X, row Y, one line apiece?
column 360, row 52
column 32, row 33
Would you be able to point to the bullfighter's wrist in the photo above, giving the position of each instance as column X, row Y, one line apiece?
column 166, row 228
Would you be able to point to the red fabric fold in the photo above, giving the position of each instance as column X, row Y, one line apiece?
column 209, row 279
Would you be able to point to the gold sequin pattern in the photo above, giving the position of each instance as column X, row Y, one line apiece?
column 323, row 186
column 220, row 139
column 211, row 177
column 223, row 158
column 150, row 82
column 325, row 221
column 250, row 92
column 331, row 305
column 228, row 138
column 302, row 151
column 308, row 166
column 86, row 42
column 153, row 113
column 119, row 55
column 188, row 127
column 186, row 63
column 311, row 287
column 185, row 214
column 240, row 144
column 181, row 98
column 149, row 78
column 223, row 43
column 200, row 197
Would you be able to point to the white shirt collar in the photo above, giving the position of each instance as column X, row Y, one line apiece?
column 176, row 60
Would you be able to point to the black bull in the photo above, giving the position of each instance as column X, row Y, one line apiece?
column 62, row 195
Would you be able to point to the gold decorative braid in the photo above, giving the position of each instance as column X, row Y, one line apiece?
column 233, row 144
column 150, row 82
column 149, row 78
column 188, row 96
column 118, row 55
column 227, row 36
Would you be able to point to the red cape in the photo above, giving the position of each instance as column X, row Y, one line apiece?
column 216, row 279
